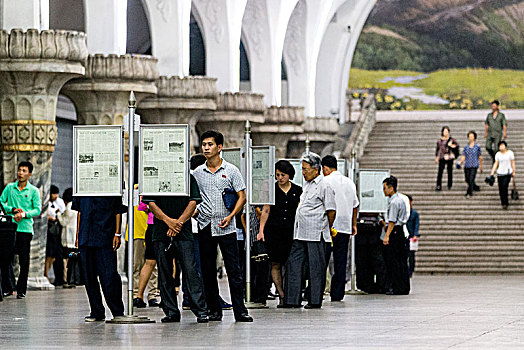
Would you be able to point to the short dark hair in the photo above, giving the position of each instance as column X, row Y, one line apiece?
column 218, row 137
column 409, row 197
column 285, row 167
column 496, row 102
column 197, row 160
column 391, row 182
column 474, row 134
column 503, row 143
column 54, row 190
column 68, row 195
column 27, row 164
column 329, row 161
column 444, row 128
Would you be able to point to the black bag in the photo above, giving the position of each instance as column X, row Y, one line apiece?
column 7, row 237
column 456, row 150
column 230, row 198
column 258, row 251
column 514, row 192
column 54, row 228
column 74, row 273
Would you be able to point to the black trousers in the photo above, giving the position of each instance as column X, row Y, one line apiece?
column 7, row 252
column 208, row 257
column 314, row 254
column 184, row 253
column 442, row 163
column 340, row 259
column 503, row 181
column 395, row 255
column 369, row 262
column 470, row 175
column 23, row 248
column 100, row 264
column 411, row 255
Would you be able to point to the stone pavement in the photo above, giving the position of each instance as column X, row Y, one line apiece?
column 459, row 312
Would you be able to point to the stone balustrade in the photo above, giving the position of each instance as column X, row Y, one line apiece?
column 187, row 87
column 284, row 115
column 241, row 102
column 320, row 125
column 125, row 67
column 45, row 44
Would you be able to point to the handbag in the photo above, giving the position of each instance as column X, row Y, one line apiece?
column 514, row 192
column 74, row 273
column 258, row 251
column 230, row 198
column 53, row 228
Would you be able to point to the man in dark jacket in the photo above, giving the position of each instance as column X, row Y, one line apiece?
column 99, row 235
column 412, row 226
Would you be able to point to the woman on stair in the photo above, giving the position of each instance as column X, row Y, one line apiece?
column 505, row 167
column 445, row 153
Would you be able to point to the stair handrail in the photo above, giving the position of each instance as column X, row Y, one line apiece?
column 363, row 127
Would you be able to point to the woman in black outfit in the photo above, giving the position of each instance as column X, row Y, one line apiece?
column 277, row 221
column 445, row 154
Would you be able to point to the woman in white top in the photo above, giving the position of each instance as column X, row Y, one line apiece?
column 68, row 220
column 505, row 167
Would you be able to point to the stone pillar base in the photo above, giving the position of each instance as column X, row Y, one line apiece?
column 39, row 283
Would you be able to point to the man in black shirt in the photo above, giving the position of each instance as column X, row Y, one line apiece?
column 173, row 238
column 99, row 235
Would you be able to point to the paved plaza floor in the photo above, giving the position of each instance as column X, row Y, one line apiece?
column 458, row 312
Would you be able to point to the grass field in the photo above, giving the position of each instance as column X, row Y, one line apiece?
column 463, row 88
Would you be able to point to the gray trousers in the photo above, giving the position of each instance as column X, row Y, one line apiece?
column 314, row 253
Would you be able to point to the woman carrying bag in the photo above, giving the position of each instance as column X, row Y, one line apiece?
column 445, row 153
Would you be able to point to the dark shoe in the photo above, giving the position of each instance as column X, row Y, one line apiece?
column 449, row 188
column 214, row 317
column 202, row 319
column 225, row 305
column 139, row 303
column 289, row 306
column 171, row 319
column 438, row 188
column 68, row 286
column 313, row 306
column 153, row 303
column 505, row 207
column 20, row 296
column 476, row 188
column 243, row 318
column 8, row 294
column 94, row 318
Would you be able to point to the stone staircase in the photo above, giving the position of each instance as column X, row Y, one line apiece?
column 458, row 235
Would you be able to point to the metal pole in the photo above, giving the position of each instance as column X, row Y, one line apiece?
column 354, row 290
column 247, row 241
column 130, row 212
column 308, row 144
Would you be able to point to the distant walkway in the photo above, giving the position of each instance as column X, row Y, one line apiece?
column 446, row 115
column 459, row 312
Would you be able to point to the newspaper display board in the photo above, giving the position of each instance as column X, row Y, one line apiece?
column 342, row 166
column 370, row 193
column 163, row 155
column 262, row 175
column 235, row 156
column 98, row 160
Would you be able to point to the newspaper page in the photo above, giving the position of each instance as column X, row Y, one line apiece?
column 342, row 167
column 262, row 178
column 234, row 156
column 371, row 195
column 98, row 160
column 164, row 161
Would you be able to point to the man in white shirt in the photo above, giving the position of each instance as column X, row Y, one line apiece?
column 315, row 215
column 345, row 222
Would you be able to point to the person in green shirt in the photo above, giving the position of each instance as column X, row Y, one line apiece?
column 173, row 238
column 22, row 201
column 496, row 129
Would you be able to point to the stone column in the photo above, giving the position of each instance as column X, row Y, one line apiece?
column 180, row 101
column 322, row 133
column 280, row 124
column 101, row 96
column 33, row 68
column 233, row 109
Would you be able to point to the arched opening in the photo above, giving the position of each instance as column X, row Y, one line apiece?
column 138, row 31
column 245, row 78
column 197, row 49
column 67, row 15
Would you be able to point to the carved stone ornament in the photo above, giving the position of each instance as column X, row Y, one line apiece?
column 28, row 135
column 187, row 87
column 241, row 101
column 133, row 67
